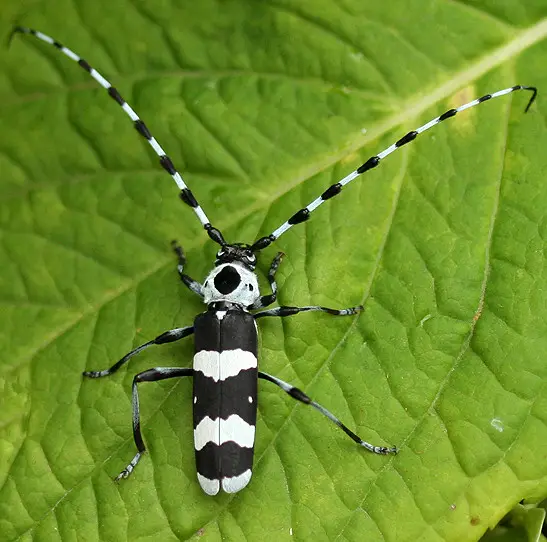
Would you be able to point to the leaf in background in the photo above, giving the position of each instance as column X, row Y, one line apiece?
column 524, row 522
column 262, row 105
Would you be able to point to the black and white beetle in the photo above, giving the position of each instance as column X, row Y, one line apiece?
column 225, row 368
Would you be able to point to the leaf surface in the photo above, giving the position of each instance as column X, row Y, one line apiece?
column 262, row 106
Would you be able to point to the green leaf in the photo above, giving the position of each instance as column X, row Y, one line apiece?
column 262, row 105
column 524, row 522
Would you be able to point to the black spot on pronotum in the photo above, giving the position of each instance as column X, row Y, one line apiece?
column 227, row 280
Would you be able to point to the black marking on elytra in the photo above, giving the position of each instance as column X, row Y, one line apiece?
column 113, row 93
column 188, row 198
column 300, row 216
column 227, row 280
column 222, row 398
column 331, row 191
column 142, row 129
column 226, row 460
column 238, row 331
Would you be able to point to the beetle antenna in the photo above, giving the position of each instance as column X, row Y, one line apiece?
column 185, row 193
column 335, row 189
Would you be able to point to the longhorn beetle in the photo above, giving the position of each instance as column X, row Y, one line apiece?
column 225, row 369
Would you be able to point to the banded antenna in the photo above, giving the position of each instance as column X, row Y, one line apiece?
column 185, row 193
column 372, row 162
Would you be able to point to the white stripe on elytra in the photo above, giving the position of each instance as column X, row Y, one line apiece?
column 218, row 431
column 236, row 429
column 223, row 365
column 206, row 431
column 208, row 363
